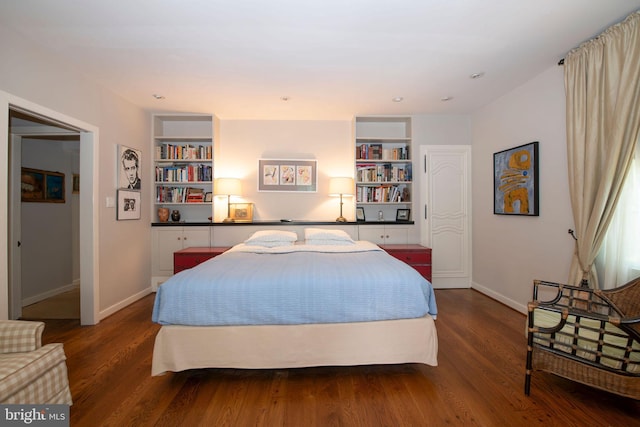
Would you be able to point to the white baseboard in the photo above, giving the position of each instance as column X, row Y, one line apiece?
column 522, row 308
column 122, row 304
column 51, row 293
column 157, row 281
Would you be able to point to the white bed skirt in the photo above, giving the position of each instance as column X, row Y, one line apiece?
column 178, row 347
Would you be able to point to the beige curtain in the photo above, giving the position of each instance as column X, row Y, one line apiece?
column 602, row 83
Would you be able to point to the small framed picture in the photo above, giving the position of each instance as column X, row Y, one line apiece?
column 241, row 212
column 360, row 214
column 128, row 205
column 76, row 183
column 403, row 214
column 208, row 197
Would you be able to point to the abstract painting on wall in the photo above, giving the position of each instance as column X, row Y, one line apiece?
column 515, row 181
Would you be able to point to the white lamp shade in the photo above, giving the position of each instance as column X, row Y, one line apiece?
column 341, row 185
column 228, row 187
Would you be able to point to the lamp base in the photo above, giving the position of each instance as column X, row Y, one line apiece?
column 341, row 219
column 228, row 220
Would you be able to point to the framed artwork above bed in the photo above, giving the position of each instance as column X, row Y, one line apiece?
column 287, row 175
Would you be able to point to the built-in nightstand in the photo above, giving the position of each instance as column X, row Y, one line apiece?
column 190, row 257
column 418, row 257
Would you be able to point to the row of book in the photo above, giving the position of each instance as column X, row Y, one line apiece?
column 383, row 194
column 387, row 172
column 184, row 173
column 179, row 195
column 183, row 152
column 380, row 152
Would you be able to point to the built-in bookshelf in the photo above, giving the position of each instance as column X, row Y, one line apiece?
column 183, row 155
column 384, row 169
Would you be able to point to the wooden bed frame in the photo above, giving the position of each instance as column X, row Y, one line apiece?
column 179, row 348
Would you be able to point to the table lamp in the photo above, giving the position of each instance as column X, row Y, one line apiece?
column 227, row 187
column 341, row 186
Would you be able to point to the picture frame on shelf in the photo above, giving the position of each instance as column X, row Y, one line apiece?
column 208, row 197
column 241, row 212
column 515, row 181
column 403, row 215
column 128, row 205
column 360, row 217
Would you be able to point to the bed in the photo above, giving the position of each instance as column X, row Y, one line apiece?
column 273, row 302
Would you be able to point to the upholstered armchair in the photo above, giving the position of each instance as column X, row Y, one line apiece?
column 31, row 373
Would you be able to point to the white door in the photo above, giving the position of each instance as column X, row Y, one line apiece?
column 446, row 199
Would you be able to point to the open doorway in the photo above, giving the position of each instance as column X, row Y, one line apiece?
column 45, row 166
column 88, row 214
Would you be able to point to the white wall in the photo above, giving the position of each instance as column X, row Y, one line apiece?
column 509, row 252
column 43, row 79
column 243, row 142
column 47, row 251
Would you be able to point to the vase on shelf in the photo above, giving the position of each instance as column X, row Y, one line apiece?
column 163, row 214
column 175, row 216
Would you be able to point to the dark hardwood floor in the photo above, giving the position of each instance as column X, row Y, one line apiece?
column 479, row 381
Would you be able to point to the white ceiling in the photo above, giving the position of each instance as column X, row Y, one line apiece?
column 332, row 58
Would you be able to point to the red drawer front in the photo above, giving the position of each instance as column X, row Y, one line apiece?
column 412, row 257
column 424, row 270
column 183, row 262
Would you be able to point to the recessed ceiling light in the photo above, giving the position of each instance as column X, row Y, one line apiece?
column 284, row 98
column 476, row 75
column 397, row 99
column 156, row 96
column 446, row 98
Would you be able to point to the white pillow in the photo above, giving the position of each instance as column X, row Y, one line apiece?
column 272, row 238
column 329, row 242
column 330, row 237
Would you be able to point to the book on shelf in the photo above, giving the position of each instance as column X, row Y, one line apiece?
column 183, row 152
column 379, row 152
column 383, row 194
column 184, row 173
column 194, row 195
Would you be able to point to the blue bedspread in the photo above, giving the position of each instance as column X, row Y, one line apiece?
column 240, row 288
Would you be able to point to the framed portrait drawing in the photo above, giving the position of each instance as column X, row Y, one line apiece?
column 515, row 181
column 129, row 166
column 360, row 214
column 128, row 205
column 287, row 175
